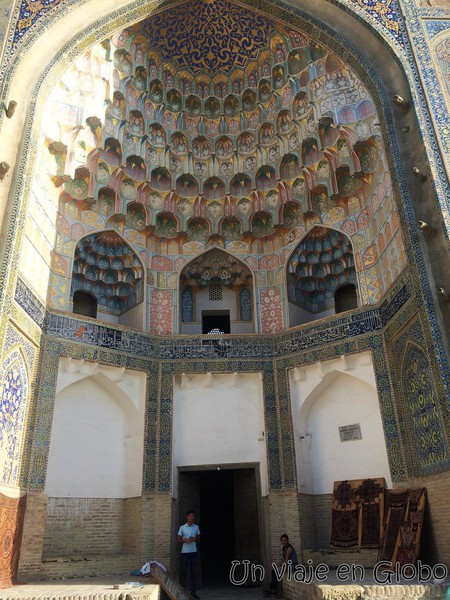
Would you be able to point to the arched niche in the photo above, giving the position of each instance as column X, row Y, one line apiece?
column 328, row 396
column 320, row 266
column 95, row 416
column 346, row 298
column 216, row 295
column 107, row 280
column 84, row 304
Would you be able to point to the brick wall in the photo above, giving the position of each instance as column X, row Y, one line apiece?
column 132, row 522
column 157, row 531
column 32, row 536
column 90, row 526
column 284, row 518
column 315, row 520
column 76, row 537
column 307, row 521
column 144, row 527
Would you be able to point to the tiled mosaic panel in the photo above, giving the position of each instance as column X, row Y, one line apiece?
column 187, row 306
column 150, row 478
column 245, row 304
column 438, row 71
column 340, row 328
column 286, row 427
column 161, row 312
column 44, row 399
column 396, row 458
column 417, row 380
column 441, row 57
column 384, row 14
column 435, row 104
column 29, row 302
column 274, row 455
column 387, row 14
column 419, row 398
column 271, row 311
column 14, row 338
column 239, row 28
column 14, row 388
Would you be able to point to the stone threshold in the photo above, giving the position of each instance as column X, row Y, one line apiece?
column 365, row 591
column 87, row 588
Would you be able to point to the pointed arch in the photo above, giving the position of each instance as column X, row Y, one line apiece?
column 93, row 412
column 320, row 264
column 106, row 268
column 333, row 397
column 216, row 283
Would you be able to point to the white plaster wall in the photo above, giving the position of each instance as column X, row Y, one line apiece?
column 218, row 419
column 134, row 317
column 97, row 437
column 299, row 315
column 106, row 317
column 39, row 235
column 328, row 395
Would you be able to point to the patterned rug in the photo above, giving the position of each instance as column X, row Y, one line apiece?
column 344, row 527
column 12, row 511
column 357, row 512
column 370, row 495
column 396, row 509
column 359, row 519
column 407, row 546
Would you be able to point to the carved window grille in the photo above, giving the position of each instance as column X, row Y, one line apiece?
column 215, row 292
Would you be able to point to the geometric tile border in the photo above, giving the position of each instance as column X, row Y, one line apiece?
column 32, row 16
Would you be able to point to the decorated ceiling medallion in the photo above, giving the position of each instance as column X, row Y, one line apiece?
column 273, row 134
column 208, row 35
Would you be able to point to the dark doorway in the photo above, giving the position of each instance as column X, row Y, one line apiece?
column 345, row 298
column 215, row 321
column 226, row 509
column 84, row 304
column 218, row 543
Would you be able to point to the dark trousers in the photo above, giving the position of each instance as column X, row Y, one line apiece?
column 274, row 581
column 188, row 562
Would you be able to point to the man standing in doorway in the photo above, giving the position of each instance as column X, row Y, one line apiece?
column 188, row 536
